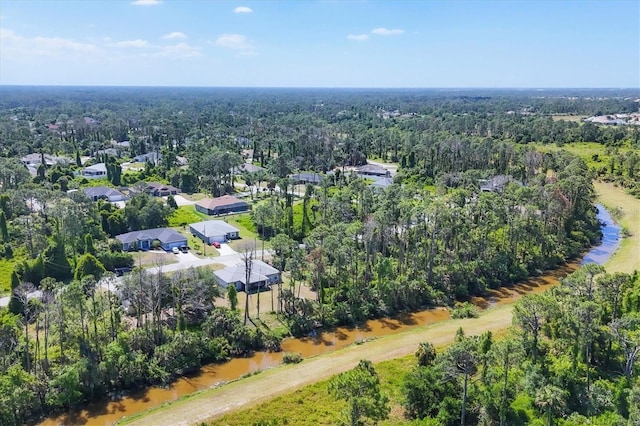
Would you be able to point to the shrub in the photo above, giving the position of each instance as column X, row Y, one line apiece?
column 291, row 358
column 464, row 310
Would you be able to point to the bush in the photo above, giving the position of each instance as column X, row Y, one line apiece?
column 464, row 310
column 291, row 358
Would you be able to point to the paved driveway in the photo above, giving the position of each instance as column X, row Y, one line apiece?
column 225, row 249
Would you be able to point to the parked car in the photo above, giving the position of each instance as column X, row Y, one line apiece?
column 175, row 250
column 215, row 244
column 184, row 249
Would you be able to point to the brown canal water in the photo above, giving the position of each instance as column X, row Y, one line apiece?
column 108, row 412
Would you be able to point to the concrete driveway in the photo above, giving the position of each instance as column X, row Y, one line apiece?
column 181, row 201
column 225, row 249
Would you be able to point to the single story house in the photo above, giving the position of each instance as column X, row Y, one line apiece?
column 104, row 193
column 305, row 177
column 222, row 205
column 96, row 171
column 262, row 276
column 214, row 230
column 496, row 183
column 143, row 240
column 107, row 151
column 248, row 168
column 152, row 157
column 35, row 159
column 372, row 170
column 160, row 189
column 381, row 184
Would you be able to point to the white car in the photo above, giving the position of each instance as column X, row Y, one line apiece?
column 175, row 250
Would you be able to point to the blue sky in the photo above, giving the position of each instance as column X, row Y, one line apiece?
column 321, row 43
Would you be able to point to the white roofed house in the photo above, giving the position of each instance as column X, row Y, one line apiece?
column 214, row 231
column 96, row 171
column 262, row 276
column 104, row 193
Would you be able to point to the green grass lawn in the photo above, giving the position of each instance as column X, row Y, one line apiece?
column 184, row 215
column 6, row 269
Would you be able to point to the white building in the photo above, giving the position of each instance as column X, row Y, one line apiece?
column 214, row 231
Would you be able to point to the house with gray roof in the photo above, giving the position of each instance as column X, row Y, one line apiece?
column 96, row 171
column 381, row 184
column 372, row 170
column 143, row 240
column 306, row 177
column 262, row 276
column 104, row 193
column 222, row 205
column 214, row 231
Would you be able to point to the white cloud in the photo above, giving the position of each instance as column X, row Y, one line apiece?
column 358, row 37
column 146, row 2
column 243, row 9
column 236, row 42
column 180, row 50
column 386, row 32
column 132, row 43
column 14, row 45
column 176, row 35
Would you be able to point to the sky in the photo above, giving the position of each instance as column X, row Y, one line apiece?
column 321, row 43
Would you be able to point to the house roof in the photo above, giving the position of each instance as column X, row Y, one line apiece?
column 372, row 169
column 153, row 186
column 307, row 176
column 237, row 273
column 224, row 201
column 211, row 228
column 382, row 182
column 101, row 191
column 164, row 235
column 100, row 167
column 249, row 168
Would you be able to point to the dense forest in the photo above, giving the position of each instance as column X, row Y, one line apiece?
column 474, row 206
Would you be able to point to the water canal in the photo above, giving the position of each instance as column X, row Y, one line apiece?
column 108, row 412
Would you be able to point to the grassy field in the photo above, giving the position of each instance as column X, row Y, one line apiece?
column 186, row 215
column 626, row 211
column 594, row 154
column 299, row 391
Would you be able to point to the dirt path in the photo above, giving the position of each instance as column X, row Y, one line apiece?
column 253, row 390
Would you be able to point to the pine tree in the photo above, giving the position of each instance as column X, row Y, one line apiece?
column 3, row 227
column 15, row 306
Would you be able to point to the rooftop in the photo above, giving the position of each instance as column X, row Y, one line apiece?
column 212, row 228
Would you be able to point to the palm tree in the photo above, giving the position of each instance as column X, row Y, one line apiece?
column 550, row 399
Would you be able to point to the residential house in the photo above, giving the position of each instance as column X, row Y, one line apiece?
column 104, row 193
column 381, row 184
column 143, row 240
column 96, row 171
column 496, row 183
column 306, row 177
column 151, row 157
column 160, row 189
column 262, row 276
column 214, row 231
column 35, row 159
column 112, row 152
column 372, row 170
column 248, row 168
column 222, row 205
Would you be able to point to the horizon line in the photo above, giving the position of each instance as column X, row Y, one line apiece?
column 325, row 87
